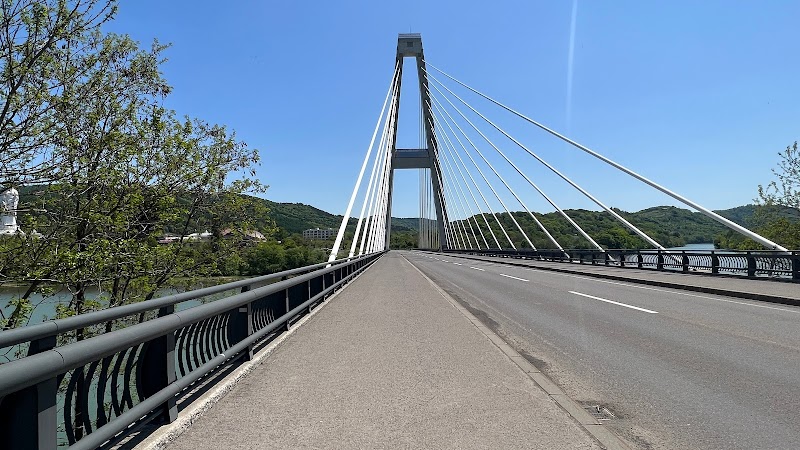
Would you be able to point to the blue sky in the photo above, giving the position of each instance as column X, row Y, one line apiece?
column 700, row 96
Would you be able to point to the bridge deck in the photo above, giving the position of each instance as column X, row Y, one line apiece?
column 759, row 289
column 390, row 363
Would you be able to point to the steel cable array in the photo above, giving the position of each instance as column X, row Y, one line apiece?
column 727, row 223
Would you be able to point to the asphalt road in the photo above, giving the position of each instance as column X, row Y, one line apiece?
column 390, row 364
column 677, row 369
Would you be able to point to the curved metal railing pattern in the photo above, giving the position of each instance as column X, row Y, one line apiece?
column 84, row 393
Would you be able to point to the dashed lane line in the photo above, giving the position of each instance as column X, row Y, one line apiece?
column 685, row 294
column 509, row 276
column 649, row 311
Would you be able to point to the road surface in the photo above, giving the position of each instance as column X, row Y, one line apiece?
column 676, row 369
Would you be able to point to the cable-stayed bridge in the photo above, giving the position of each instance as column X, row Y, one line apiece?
column 452, row 181
column 491, row 334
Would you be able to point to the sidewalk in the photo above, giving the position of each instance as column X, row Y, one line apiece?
column 392, row 363
column 756, row 289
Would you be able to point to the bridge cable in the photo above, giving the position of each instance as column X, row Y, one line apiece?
column 374, row 219
column 707, row 212
column 521, row 173
column 459, row 163
column 535, row 219
column 419, row 220
column 380, row 159
column 422, row 229
column 371, row 185
column 486, row 180
column 368, row 228
column 455, row 238
column 458, row 225
column 381, row 231
column 466, row 208
column 448, row 146
column 627, row 224
column 456, row 234
column 340, row 234
column 447, row 170
column 382, row 201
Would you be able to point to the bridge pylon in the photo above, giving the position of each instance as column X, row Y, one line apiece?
column 373, row 231
column 409, row 45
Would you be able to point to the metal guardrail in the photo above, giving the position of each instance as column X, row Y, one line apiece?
column 92, row 390
column 756, row 264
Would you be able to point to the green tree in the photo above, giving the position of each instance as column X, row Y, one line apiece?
column 784, row 192
column 36, row 37
column 127, row 169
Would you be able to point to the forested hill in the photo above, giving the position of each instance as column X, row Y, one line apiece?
column 669, row 225
column 296, row 217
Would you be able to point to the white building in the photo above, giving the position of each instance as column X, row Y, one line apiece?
column 317, row 233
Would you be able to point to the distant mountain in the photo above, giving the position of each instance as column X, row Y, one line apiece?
column 296, row 217
column 669, row 225
column 746, row 215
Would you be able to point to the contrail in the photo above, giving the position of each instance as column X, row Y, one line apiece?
column 570, row 62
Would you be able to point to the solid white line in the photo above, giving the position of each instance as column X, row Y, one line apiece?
column 477, row 268
column 509, row 276
column 615, row 303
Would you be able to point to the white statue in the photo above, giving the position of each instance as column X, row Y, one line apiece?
column 9, row 199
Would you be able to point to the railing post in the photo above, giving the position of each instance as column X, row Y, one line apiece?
column 621, row 259
column 714, row 263
column 288, row 308
column 606, row 257
column 660, row 261
column 684, row 261
column 639, row 259
column 242, row 326
column 28, row 418
column 796, row 265
column 751, row 265
column 158, row 368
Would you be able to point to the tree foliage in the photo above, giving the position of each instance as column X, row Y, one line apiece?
column 117, row 168
column 36, row 37
column 777, row 213
column 785, row 190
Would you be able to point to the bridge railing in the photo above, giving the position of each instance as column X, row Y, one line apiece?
column 85, row 393
column 752, row 264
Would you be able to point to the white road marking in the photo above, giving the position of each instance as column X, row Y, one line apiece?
column 458, row 264
column 509, row 276
column 615, row 303
column 477, row 268
column 533, row 269
column 677, row 293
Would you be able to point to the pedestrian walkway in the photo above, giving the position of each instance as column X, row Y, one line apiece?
column 758, row 289
column 393, row 363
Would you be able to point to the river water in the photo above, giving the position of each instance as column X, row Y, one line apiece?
column 45, row 307
column 695, row 247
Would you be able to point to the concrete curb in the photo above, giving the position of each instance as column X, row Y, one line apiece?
column 600, row 433
column 166, row 434
column 703, row 289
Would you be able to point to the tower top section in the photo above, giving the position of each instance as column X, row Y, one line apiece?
column 409, row 44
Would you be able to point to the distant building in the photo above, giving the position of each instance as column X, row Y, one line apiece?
column 247, row 235
column 317, row 233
